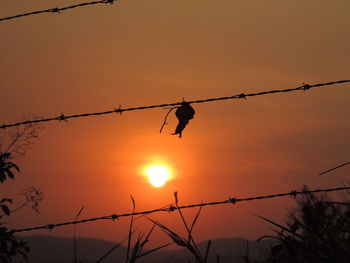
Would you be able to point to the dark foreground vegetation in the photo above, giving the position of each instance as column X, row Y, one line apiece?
column 317, row 230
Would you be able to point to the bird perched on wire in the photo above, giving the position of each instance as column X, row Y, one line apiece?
column 184, row 114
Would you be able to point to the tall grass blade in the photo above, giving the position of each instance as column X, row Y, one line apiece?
column 136, row 249
column 109, row 252
column 130, row 230
column 153, row 250
column 280, row 226
column 195, row 219
column 112, row 249
column 190, row 237
column 75, row 247
column 175, row 237
column 180, row 241
column 143, row 243
column 207, row 251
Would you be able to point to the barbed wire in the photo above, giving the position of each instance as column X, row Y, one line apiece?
column 335, row 168
column 172, row 208
column 58, row 10
column 119, row 110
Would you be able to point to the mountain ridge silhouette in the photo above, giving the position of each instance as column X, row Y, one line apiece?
column 53, row 249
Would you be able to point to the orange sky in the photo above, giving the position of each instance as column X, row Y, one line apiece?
column 140, row 52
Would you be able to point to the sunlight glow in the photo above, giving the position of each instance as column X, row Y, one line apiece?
column 158, row 175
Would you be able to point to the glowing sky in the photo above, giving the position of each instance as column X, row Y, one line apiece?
column 139, row 52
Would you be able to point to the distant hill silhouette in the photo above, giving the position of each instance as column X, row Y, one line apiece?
column 49, row 249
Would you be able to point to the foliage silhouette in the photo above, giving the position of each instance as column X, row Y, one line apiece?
column 18, row 142
column 317, row 231
column 10, row 245
column 7, row 167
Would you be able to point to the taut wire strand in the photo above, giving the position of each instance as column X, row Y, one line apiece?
column 57, row 10
column 172, row 208
column 62, row 117
column 335, row 168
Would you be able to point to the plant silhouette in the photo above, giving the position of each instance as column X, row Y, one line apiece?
column 7, row 167
column 318, row 231
column 18, row 143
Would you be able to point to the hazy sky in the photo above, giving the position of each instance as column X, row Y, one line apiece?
column 139, row 52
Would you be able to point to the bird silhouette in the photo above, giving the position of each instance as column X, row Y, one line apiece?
column 184, row 114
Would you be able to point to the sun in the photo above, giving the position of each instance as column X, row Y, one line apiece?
column 158, row 175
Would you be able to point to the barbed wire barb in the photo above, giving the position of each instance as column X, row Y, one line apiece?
column 172, row 208
column 58, row 9
column 120, row 110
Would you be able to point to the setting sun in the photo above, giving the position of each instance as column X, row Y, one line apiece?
column 157, row 175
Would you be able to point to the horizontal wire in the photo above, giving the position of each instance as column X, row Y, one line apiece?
column 172, row 208
column 57, row 10
column 119, row 110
